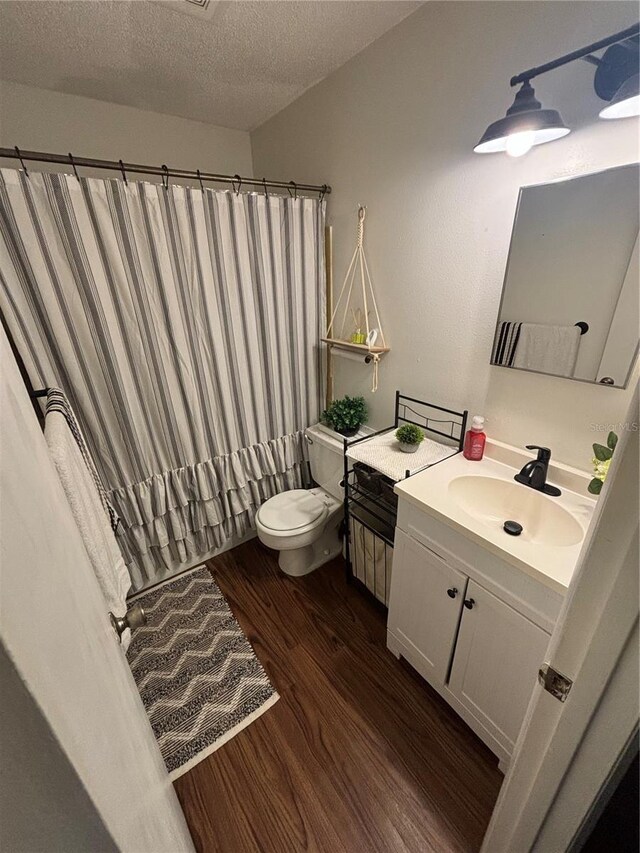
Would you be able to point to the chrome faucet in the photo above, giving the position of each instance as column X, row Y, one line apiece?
column 534, row 473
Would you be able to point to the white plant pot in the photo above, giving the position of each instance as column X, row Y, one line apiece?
column 408, row 448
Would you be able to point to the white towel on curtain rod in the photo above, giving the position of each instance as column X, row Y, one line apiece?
column 90, row 516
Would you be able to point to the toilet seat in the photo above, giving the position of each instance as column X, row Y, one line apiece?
column 293, row 512
column 303, row 525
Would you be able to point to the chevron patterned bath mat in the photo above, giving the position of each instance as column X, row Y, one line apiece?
column 197, row 674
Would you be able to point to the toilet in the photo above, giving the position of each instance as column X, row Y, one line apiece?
column 303, row 524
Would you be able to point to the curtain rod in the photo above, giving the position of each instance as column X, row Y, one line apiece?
column 161, row 171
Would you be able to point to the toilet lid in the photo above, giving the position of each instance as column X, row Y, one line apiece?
column 291, row 510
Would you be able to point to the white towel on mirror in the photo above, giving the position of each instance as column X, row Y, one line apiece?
column 548, row 349
column 91, row 518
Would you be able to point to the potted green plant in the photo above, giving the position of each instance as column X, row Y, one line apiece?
column 601, row 461
column 346, row 415
column 410, row 436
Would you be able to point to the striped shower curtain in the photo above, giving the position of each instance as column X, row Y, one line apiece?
column 184, row 327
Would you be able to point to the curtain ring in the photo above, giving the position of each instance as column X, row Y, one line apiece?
column 75, row 171
column 124, row 174
column 165, row 177
column 266, row 191
column 323, row 191
column 295, row 190
column 200, row 179
column 239, row 180
column 24, row 168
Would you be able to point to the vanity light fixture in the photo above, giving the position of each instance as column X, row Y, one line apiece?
column 527, row 124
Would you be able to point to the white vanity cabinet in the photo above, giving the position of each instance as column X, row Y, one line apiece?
column 497, row 656
column 475, row 627
column 424, row 611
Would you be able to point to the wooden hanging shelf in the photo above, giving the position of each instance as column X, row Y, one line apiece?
column 348, row 345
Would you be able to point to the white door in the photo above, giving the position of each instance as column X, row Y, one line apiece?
column 496, row 662
column 55, row 629
column 424, row 607
column 567, row 750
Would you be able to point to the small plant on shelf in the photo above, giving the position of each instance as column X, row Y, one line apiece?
column 601, row 461
column 410, row 436
column 346, row 415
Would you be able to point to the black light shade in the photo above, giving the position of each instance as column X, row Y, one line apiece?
column 525, row 124
column 616, row 79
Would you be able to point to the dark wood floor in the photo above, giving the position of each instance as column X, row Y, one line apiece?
column 359, row 754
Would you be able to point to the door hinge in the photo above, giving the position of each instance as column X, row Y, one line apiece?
column 554, row 682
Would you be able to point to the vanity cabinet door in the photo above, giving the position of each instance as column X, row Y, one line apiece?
column 424, row 607
column 496, row 662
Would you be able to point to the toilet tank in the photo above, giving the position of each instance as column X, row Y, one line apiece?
column 326, row 458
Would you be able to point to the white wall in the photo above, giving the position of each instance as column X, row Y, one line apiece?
column 42, row 120
column 623, row 333
column 394, row 129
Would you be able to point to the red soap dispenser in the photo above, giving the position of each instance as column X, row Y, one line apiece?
column 474, row 440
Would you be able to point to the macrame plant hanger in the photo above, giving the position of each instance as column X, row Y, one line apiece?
column 371, row 345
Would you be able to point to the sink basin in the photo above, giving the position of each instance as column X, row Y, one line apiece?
column 493, row 501
column 474, row 499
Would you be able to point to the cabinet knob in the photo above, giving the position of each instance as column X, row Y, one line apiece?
column 452, row 592
column 468, row 603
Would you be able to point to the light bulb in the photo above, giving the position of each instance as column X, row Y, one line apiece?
column 519, row 143
column 622, row 109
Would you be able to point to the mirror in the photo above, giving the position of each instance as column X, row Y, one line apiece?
column 570, row 301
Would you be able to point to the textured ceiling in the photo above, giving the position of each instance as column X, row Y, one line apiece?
column 236, row 66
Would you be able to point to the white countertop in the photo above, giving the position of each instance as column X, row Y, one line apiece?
column 553, row 565
column 382, row 452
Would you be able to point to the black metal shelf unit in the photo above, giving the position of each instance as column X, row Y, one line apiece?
column 370, row 504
